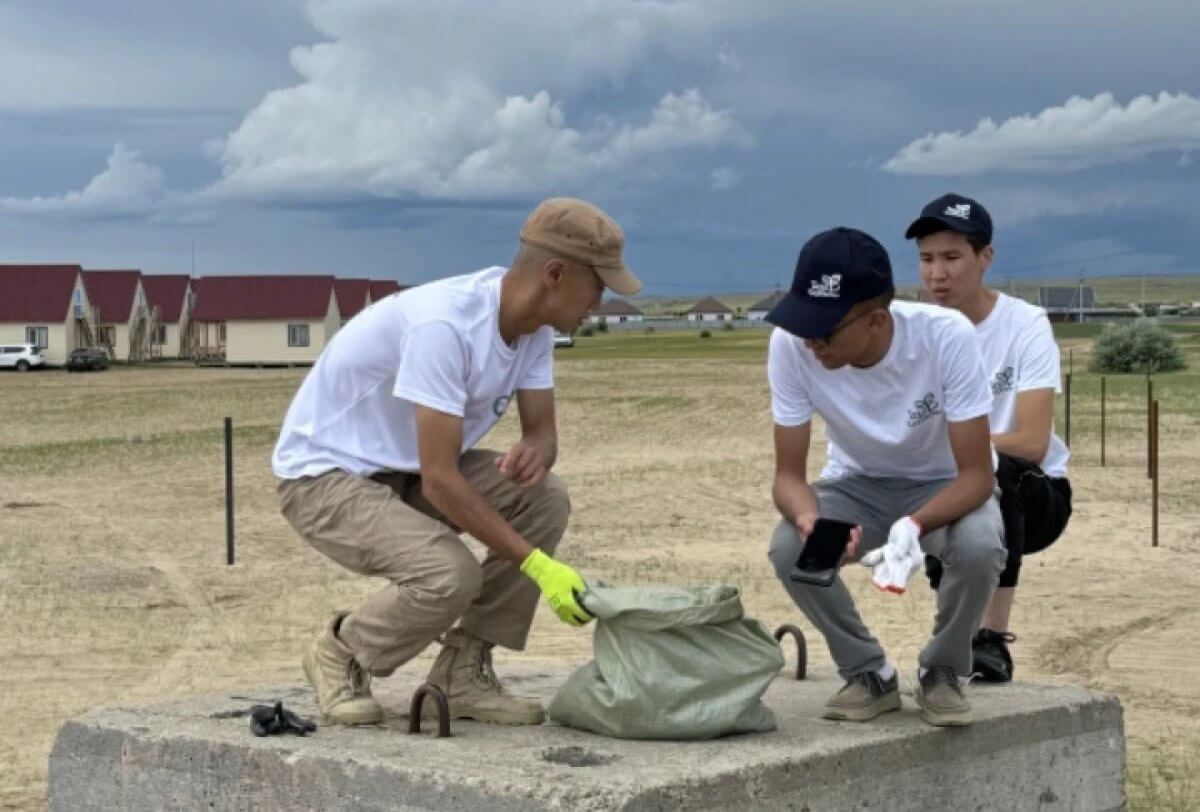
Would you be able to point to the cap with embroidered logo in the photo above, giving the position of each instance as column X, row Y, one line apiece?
column 577, row 230
column 955, row 212
column 836, row 270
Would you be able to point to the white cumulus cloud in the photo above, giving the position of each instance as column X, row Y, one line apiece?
column 1079, row 134
column 127, row 186
column 404, row 100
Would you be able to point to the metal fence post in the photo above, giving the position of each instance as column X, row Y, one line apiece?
column 1067, row 397
column 1149, row 428
column 229, row 491
column 1102, row 415
column 1154, row 477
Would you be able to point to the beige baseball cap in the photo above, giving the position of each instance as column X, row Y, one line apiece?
column 577, row 230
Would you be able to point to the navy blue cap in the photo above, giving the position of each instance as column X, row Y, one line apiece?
column 836, row 270
column 955, row 212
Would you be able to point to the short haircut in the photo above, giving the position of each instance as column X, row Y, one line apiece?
column 880, row 302
column 978, row 242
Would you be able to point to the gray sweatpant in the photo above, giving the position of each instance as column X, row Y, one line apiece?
column 971, row 551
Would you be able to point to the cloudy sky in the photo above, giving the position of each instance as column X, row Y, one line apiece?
column 409, row 138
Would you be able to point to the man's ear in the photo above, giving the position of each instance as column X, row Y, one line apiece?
column 986, row 255
column 553, row 270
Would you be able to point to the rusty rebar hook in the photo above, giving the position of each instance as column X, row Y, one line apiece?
column 418, row 702
column 801, row 647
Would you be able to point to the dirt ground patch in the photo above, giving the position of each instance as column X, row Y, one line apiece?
column 114, row 590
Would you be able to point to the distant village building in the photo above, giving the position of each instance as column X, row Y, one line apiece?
column 264, row 319
column 1077, row 303
column 130, row 324
column 353, row 295
column 46, row 305
column 382, row 288
column 171, row 295
column 616, row 311
column 709, row 309
column 1061, row 299
column 759, row 310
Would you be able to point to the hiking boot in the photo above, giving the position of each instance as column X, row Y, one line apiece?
column 863, row 697
column 464, row 671
column 941, row 697
column 990, row 660
column 343, row 687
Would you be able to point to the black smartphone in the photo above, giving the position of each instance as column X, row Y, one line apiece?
column 822, row 553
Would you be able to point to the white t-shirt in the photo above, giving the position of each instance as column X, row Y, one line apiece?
column 436, row 345
column 887, row 420
column 1019, row 353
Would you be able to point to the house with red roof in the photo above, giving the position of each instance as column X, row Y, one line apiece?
column 127, row 320
column 263, row 319
column 46, row 305
column 353, row 296
column 171, row 296
column 382, row 288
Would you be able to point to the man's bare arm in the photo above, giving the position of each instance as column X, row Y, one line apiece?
column 439, row 446
column 792, row 492
column 538, row 425
column 1035, row 420
column 970, row 440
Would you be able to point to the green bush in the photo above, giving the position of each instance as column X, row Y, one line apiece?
column 728, row 325
column 1142, row 347
column 648, row 331
column 705, row 334
column 602, row 327
column 587, row 332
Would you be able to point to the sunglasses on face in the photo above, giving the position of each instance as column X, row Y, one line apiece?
column 828, row 337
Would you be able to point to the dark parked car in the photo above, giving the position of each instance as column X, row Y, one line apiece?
column 87, row 358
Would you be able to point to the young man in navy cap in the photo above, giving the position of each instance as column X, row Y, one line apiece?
column 954, row 241
column 904, row 396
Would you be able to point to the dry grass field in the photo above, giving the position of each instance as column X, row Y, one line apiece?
column 113, row 587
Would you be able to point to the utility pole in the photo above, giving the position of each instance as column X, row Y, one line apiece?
column 193, row 258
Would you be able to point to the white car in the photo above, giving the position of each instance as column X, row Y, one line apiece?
column 563, row 339
column 22, row 357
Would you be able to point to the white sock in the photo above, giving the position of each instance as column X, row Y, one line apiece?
column 888, row 671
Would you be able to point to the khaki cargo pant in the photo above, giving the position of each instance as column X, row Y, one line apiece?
column 383, row 526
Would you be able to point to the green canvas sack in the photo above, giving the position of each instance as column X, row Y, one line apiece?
column 671, row 663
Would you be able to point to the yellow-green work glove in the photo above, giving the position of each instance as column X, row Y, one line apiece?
column 559, row 584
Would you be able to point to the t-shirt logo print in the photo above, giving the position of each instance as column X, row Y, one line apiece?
column 962, row 211
column 1003, row 382
column 500, row 405
column 923, row 409
column 830, row 286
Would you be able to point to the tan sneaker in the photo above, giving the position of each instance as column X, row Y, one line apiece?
column 464, row 671
column 343, row 687
column 941, row 697
column 863, row 697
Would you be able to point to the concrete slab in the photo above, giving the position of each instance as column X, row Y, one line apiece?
column 1030, row 748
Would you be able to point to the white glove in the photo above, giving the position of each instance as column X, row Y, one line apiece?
column 896, row 561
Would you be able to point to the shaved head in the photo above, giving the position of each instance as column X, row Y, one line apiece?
column 531, row 256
